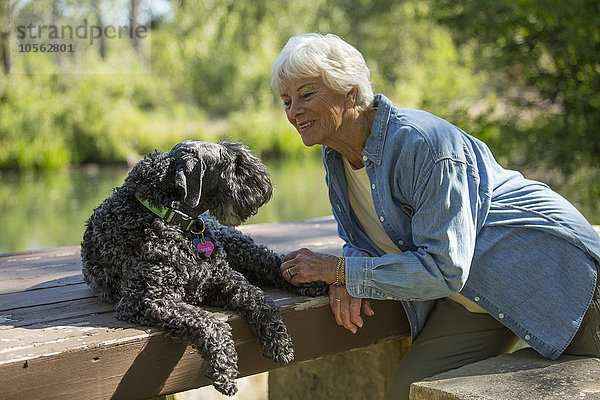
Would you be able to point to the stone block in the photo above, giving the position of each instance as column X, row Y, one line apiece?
column 357, row 374
column 523, row 375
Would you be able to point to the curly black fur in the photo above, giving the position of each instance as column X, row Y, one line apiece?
column 155, row 276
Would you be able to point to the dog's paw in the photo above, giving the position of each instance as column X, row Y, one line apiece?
column 221, row 370
column 313, row 289
column 228, row 387
column 284, row 354
column 279, row 348
column 223, row 380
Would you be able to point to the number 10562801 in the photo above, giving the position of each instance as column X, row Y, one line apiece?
column 45, row 48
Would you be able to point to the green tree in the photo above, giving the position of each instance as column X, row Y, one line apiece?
column 544, row 60
column 226, row 48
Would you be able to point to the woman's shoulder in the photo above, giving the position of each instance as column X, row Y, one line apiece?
column 393, row 119
column 424, row 122
column 420, row 130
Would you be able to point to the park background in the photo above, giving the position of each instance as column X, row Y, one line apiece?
column 524, row 76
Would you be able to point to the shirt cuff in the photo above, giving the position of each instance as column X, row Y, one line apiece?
column 359, row 273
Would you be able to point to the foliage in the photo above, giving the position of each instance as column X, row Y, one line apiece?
column 28, row 134
column 268, row 133
column 518, row 74
column 543, row 60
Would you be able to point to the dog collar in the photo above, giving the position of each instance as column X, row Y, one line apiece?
column 174, row 216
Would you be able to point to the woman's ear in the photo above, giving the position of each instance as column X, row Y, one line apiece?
column 351, row 97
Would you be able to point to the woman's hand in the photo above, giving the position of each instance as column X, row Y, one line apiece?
column 346, row 308
column 304, row 265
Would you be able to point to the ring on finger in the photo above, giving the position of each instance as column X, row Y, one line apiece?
column 289, row 273
column 337, row 300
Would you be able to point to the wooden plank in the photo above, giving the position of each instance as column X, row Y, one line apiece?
column 29, row 271
column 130, row 363
column 46, row 295
column 53, row 279
column 38, row 256
column 58, row 341
column 91, row 323
column 62, row 266
column 48, row 314
column 318, row 234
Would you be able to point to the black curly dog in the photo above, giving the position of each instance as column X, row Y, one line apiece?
column 142, row 252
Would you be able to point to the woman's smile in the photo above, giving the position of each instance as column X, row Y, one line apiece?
column 304, row 126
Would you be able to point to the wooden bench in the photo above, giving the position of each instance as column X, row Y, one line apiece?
column 58, row 341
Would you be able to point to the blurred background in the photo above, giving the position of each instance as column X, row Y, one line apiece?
column 524, row 76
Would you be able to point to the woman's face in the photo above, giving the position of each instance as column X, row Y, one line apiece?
column 316, row 111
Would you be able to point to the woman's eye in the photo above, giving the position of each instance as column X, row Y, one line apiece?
column 307, row 95
column 287, row 103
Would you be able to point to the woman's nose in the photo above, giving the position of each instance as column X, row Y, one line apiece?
column 295, row 109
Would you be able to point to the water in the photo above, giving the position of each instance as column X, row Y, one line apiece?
column 45, row 210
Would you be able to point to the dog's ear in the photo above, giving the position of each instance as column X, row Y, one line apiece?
column 189, row 170
column 247, row 177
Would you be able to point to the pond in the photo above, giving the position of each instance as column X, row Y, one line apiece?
column 45, row 210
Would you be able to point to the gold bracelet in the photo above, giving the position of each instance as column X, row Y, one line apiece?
column 340, row 271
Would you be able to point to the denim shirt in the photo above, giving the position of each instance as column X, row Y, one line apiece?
column 464, row 224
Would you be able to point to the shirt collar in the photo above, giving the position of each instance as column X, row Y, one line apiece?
column 374, row 147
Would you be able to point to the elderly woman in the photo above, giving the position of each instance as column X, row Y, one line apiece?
column 478, row 255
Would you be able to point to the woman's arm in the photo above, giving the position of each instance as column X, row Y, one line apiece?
column 446, row 203
column 443, row 232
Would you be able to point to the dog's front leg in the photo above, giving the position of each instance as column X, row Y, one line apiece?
column 259, row 264
column 256, row 262
column 209, row 335
column 261, row 314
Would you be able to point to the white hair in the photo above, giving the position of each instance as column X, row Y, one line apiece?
column 310, row 55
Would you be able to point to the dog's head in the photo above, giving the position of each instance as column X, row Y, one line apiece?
column 223, row 178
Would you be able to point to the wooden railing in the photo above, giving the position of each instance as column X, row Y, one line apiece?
column 58, row 341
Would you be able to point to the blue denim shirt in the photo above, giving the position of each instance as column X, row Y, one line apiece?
column 464, row 224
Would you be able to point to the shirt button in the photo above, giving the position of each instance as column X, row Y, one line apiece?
column 500, row 315
column 527, row 337
column 381, row 218
column 477, row 298
column 365, row 158
column 401, row 242
column 373, row 186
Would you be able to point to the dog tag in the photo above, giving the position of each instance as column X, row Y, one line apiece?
column 205, row 247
